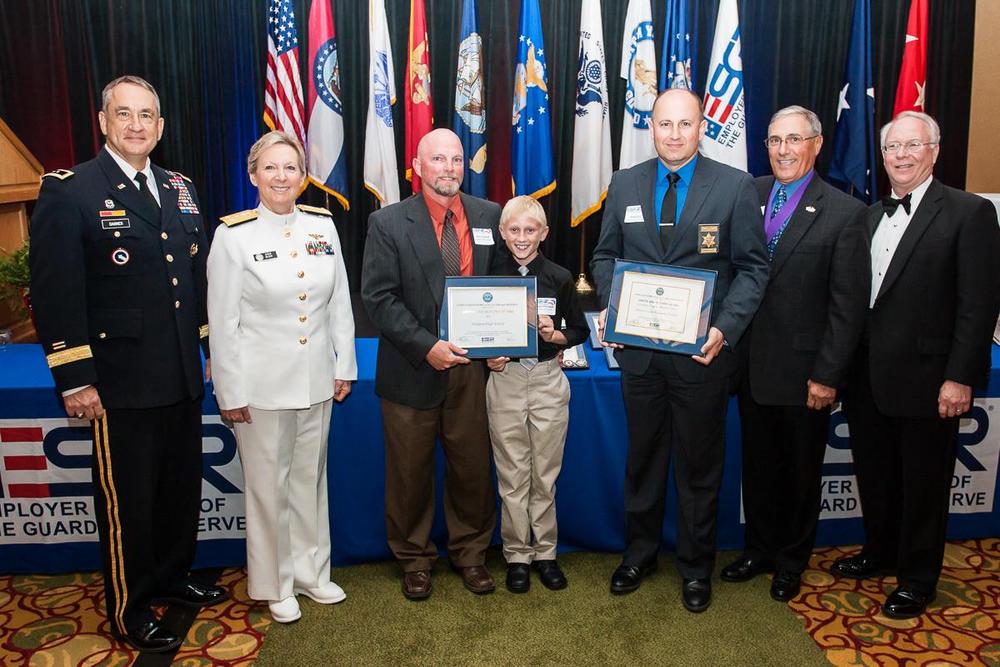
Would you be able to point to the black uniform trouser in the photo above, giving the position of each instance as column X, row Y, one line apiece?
column 147, row 490
column 783, row 449
column 671, row 417
column 904, row 467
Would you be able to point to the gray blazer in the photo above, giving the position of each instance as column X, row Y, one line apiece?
column 402, row 285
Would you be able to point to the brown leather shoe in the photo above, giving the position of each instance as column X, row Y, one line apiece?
column 417, row 585
column 477, row 579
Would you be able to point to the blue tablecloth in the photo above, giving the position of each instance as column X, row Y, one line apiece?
column 590, row 489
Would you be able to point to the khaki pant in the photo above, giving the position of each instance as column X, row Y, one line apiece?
column 529, row 415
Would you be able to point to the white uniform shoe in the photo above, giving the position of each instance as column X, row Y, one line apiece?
column 328, row 593
column 285, row 611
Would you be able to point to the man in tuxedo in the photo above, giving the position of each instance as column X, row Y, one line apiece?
column 118, row 250
column 687, row 210
column 935, row 291
column 428, row 386
column 797, row 350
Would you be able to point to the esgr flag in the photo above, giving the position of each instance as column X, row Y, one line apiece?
column 381, row 173
column 725, row 138
column 325, row 150
column 470, row 108
column 639, row 71
column 532, row 170
column 592, row 128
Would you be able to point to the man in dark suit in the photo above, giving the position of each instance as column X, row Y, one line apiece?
column 797, row 350
column 934, row 297
column 118, row 286
column 428, row 386
column 687, row 210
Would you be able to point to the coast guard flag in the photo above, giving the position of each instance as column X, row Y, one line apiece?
column 381, row 174
column 725, row 138
column 592, row 128
column 532, row 170
column 639, row 72
column 853, row 163
column 283, row 109
column 675, row 66
column 327, row 162
column 418, row 110
column 913, row 71
column 470, row 109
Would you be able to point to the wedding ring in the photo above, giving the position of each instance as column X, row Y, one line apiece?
column 79, row 415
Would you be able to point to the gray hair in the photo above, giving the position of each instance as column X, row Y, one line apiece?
column 932, row 126
column 135, row 81
column 273, row 138
column 795, row 110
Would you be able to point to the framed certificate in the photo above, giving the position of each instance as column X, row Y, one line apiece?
column 659, row 306
column 592, row 316
column 491, row 316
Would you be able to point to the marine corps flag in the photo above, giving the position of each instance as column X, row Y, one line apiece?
column 327, row 161
column 418, row 110
column 470, row 107
column 639, row 71
column 381, row 173
column 725, row 138
column 913, row 71
column 592, row 128
column 531, row 140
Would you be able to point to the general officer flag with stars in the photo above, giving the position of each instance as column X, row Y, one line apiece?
column 532, row 169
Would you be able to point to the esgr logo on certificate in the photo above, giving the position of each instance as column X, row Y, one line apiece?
column 46, row 493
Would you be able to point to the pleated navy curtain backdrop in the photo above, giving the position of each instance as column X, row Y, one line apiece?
column 207, row 60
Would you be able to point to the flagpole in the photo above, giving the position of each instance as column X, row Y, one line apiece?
column 582, row 285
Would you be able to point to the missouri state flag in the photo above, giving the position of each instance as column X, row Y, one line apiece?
column 325, row 149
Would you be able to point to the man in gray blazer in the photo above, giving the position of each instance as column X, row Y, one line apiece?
column 428, row 387
column 687, row 210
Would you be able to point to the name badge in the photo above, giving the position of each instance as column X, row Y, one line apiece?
column 546, row 307
column 482, row 236
column 633, row 214
column 121, row 223
column 708, row 239
column 261, row 256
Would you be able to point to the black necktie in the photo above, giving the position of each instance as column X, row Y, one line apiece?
column 890, row 204
column 140, row 179
column 668, row 209
column 449, row 246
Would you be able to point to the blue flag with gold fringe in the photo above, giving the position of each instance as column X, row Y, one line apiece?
column 532, row 168
column 470, row 108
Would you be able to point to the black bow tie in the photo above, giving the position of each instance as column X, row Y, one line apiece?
column 890, row 204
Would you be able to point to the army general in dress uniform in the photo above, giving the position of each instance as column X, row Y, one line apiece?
column 118, row 286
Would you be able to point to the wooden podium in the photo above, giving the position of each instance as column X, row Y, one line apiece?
column 20, row 180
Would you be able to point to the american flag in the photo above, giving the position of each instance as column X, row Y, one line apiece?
column 283, row 108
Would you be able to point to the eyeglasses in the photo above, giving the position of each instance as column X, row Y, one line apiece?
column 791, row 140
column 908, row 147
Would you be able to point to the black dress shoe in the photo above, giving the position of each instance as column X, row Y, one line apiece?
column 745, row 569
column 785, row 586
column 905, row 602
column 856, row 567
column 628, row 577
column 151, row 637
column 518, row 578
column 552, row 577
column 696, row 594
column 194, row 594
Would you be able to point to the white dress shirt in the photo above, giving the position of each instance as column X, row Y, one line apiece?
column 887, row 235
column 131, row 171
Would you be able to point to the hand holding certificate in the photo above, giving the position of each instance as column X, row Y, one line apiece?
column 490, row 316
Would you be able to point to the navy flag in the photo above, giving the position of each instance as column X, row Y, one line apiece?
column 470, row 107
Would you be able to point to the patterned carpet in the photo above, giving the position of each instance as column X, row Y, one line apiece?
column 51, row 620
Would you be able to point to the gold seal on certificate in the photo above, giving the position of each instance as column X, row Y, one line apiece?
column 660, row 307
column 491, row 316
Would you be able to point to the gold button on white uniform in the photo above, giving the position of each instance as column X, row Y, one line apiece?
column 302, row 340
column 302, row 318
column 293, row 254
column 287, row 233
column 302, row 296
column 301, row 274
column 170, row 258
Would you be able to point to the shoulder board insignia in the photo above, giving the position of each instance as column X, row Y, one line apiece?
column 177, row 173
column 61, row 174
column 234, row 219
column 316, row 210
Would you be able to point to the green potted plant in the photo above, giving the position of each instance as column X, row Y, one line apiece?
column 15, row 279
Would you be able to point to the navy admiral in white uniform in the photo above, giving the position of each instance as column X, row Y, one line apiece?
column 118, row 287
column 283, row 352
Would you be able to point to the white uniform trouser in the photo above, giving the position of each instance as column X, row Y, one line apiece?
column 288, row 521
column 529, row 415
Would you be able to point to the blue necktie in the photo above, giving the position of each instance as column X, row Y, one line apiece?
column 779, row 201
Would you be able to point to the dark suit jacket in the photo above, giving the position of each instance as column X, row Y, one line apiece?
column 120, row 298
column 935, row 312
column 813, row 311
column 402, row 285
column 718, row 195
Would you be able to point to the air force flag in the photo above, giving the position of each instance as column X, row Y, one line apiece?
column 533, row 172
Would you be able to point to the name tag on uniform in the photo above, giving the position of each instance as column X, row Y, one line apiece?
column 261, row 256
column 482, row 236
column 546, row 307
column 120, row 223
column 633, row 214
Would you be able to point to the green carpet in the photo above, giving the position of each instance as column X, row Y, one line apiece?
column 582, row 625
